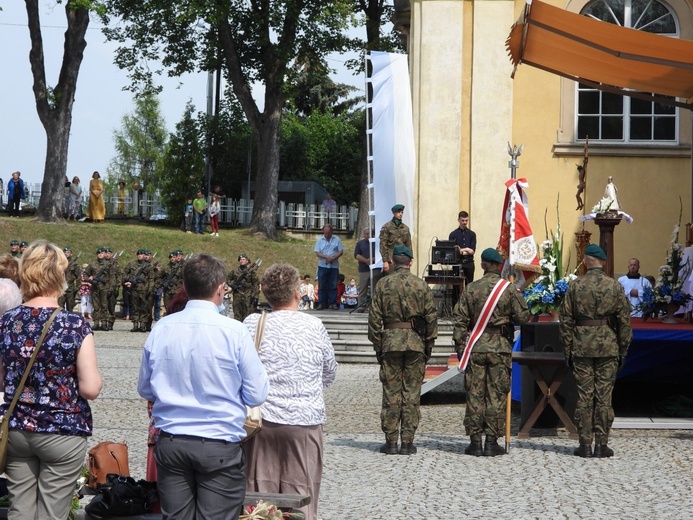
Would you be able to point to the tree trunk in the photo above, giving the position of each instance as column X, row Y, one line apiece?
column 267, row 180
column 54, row 105
column 50, row 208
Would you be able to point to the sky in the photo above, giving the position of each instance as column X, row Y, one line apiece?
column 100, row 101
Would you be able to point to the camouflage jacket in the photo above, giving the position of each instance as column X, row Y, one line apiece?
column 511, row 309
column 595, row 296
column 100, row 270
column 171, row 277
column 139, row 274
column 114, row 274
column 399, row 298
column 390, row 236
column 73, row 274
column 249, row 286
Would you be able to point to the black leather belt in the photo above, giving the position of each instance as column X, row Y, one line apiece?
column 466, row 260
column 171, row 436
column 592, row 323
column 398, row 325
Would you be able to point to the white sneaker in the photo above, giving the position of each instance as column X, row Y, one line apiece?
column 216, row 234
column 212, row 234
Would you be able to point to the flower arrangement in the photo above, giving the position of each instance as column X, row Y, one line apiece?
column 266, row 511
column 603, row 206
column 668, row 288
column 546, row 293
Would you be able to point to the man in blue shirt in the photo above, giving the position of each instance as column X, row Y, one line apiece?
column 328, row 249
column 200, row 369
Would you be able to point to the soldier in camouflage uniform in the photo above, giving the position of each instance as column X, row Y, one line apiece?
column 401, row 301
column 245, row 286
column 595, row 333
column 115, row 275
column 487, row 377
column 152, row 282
column 14, row 249
column 394, row 232
column 98, row 275
column 171, row 276
column 136, row 276
column 73, row 274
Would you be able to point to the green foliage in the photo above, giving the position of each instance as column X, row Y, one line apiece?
column 183, row 165
column 140, row 144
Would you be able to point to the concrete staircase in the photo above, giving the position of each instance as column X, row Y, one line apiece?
column 349, row 335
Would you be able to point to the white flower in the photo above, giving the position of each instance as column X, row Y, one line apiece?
column 551, row 267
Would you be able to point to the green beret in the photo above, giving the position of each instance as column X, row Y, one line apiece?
column 172, row 254
column 243, row 255
column 179, row 252
column 402, row 250
column 14, row 243
column 107, row 250
column 397, row 207
column 147, row 251
column 24, row 244
column 141, row 251
column 595, row 251
column 66, row 249
column 492, row 256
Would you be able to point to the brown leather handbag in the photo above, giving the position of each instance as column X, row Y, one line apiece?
column 104, row 458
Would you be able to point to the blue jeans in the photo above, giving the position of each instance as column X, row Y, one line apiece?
column 199, row 223
column 327, row 286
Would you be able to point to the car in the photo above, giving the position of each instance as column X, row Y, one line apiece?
column 159, row 214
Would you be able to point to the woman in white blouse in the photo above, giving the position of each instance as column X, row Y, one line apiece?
column 286, row 456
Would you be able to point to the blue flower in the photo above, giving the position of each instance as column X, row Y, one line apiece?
column 538, row 288
column 561, row 286
column 547, row 297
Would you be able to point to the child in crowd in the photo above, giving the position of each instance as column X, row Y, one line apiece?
column 84, row 292
column 340, row 290
column 188, row 216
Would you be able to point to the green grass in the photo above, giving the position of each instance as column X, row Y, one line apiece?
column 130, row 236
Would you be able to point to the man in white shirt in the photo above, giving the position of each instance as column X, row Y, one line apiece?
column 200, row 369
column 634, row 284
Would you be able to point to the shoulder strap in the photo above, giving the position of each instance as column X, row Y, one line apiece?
column 482, row 321
column 20, row 387
column 260, row 330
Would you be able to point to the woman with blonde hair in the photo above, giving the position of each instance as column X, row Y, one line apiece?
column 286, row 456
column 97, row 207
column 52, row 419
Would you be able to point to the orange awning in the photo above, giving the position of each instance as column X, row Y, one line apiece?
column 603, row 55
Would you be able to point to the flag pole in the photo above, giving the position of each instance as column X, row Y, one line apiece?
column 513, row 164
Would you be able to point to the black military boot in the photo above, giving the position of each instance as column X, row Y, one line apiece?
column 389, row 448
column 407, row 448
column 474, row 449
column 135, row 326
column 584, row 450
column 96, row 326
column 492, row 448
column 602, row 451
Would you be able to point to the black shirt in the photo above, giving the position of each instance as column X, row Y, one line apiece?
column 466, row 238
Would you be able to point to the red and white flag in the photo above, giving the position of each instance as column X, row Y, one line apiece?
column 516, row 244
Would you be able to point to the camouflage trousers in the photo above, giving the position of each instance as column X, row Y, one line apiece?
column 99, row 299
column 487, row 383
column 242, row 306
column 141, row 311
column 595, row 379
column 112, row 301
column 67, row 300
column 401, row 374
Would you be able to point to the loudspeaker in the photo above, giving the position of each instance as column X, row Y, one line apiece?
column 541, row 337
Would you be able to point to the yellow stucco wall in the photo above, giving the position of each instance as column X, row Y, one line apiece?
column 534, row 109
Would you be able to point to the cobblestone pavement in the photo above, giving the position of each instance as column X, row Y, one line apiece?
column 651, row 475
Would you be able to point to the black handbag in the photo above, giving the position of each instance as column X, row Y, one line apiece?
column 122, row 496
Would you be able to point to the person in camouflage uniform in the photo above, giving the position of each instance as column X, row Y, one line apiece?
column 115, row 275
column 98, row 275
column 73, row 274
column 136, row 276
column 487, row 377
column 394, row 232
column 14, row 249
column 152, row 282
column 400, row 302
column 171, row 276
column 245, row 285
column 595, row 333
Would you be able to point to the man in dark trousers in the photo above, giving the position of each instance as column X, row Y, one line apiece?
column 465, row 243
column 487, row 375
column 595, row 333
column 402, row 325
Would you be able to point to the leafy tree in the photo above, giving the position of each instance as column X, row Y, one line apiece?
column 140, row 143
column 54, row 104
column 257, row 41
column 183, row 164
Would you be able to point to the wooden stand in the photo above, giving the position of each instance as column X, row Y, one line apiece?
column 607, row 222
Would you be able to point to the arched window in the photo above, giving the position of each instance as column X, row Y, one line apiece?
column 605, row 116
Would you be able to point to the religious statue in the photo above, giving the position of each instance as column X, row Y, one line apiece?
column 611, row 193
column 582, row 175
